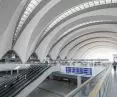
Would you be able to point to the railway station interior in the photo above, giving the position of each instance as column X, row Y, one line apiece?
column 58, row 48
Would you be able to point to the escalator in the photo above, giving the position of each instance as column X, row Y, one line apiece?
column 12, row 86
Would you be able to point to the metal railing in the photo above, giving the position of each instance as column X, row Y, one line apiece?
column 93, row 85
column 103, row 86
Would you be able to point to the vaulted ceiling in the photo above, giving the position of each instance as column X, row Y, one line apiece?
column 64, row 28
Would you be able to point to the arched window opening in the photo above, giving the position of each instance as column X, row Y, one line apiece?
column 10, row 57
column 33, row 59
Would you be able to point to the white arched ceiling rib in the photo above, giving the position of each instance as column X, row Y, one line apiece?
column 42, row 49
column 74, row 10
column 85, row 47
column 77, row 39
column 104, row 27
column 82, row 52
column 56, row 7
column 78, row 47
column 10, row 11
column 79, row 44
column 84, row 35
column 32, row 7
column 24, row 49
column 21, row 46
column 60, row 7
column 77, row 24
column 79, row 8
column 74, row 32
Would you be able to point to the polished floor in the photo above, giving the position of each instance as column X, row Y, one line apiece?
column 113, row 90
column 53, row 88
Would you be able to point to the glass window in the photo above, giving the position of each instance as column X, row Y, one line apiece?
column 23, row 19
column 91, row 4
column 57, row 20
column 29, row 9
column 46, row 29
column 73, row 10
column 34, row 2
column 114, row 1
column 31, row 6
column 60, row 18
column 18, row 29
column 38, row 0
column 77, row 8
column 25, row 16
column 26, row 13
column 108, row 1
column 21, row 23
column 96, row 3
column 15, row 33
column 66, row 13
column 81, row 6
column 54, row 23
column 102, row 1
column 86, row 5
column 69, row 12
column 50, row 26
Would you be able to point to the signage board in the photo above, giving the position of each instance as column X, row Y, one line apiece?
column 79, row 71
column 86, row 71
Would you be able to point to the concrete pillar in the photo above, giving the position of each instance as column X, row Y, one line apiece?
column 78, row 81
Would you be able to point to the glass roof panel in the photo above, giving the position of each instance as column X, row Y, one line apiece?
column 23, row 19
column 81, row 6
column 26, row 13
column 86, row 5
column 96, row 3
column 91, row 4
column 31, row 6
column 29, row 9
column 108, row 1
column 34, row 2
column 77, row 8
column 73, row 10
column 21, row 23
column 102, row 1
column 114, row 1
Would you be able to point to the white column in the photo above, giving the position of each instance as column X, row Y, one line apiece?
column 78, row 81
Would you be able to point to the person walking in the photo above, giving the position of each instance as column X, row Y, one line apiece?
column 114, row 65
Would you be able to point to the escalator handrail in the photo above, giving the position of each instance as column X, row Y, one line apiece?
column 26, row 84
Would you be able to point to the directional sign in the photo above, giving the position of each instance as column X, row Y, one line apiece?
column 77, row 70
